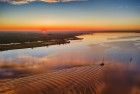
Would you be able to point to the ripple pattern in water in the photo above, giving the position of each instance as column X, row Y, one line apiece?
column 78, row 80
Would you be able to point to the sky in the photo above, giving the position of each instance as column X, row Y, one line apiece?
column 70, row 15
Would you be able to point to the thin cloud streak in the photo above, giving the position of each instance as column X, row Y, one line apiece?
column 20, row 2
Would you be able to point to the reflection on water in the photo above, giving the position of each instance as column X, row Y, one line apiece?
column 120, row 53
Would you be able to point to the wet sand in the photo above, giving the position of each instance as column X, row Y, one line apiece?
column 87, row 79
column 77, row 80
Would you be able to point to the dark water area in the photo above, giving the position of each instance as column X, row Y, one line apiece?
column 117, row 55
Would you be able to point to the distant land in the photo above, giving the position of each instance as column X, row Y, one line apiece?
column 18, row 40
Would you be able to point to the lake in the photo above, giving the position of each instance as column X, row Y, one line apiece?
column 118, row 53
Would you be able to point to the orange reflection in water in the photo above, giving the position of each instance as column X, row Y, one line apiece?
column 73, row 72
column 110, row 78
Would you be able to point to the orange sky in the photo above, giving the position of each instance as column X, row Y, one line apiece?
column 68, row 28
column 70, row 16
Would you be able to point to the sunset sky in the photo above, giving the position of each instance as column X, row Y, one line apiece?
column 69, row 15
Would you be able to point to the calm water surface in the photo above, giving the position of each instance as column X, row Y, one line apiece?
column 119, row 47
column 120, row 52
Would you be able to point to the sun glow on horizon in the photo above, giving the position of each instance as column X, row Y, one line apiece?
column 65, row 16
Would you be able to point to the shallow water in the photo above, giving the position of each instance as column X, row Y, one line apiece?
column 120, row 52
column 93, row 48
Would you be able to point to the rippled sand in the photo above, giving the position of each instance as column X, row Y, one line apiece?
column 86, row 79
column 77, row 80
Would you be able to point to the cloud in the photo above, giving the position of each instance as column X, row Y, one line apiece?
column 20, row 2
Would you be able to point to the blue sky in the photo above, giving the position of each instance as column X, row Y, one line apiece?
column 84, row 14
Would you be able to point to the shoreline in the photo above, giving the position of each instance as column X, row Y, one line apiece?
column 60, row 39
column 11, row 41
